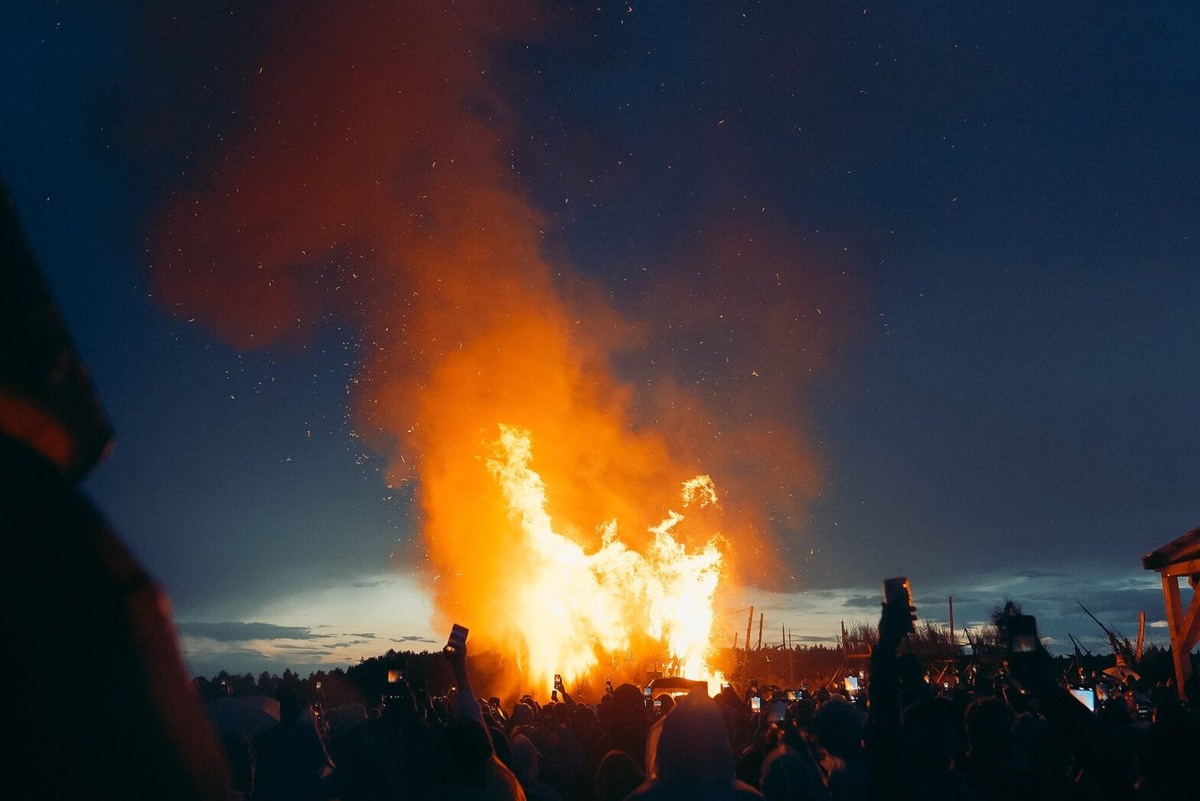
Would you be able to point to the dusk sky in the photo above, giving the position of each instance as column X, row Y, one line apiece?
column 916, row 283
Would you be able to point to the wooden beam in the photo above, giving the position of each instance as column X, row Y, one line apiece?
column 1181, row 549
column 1189, row 631
column 1188, row 568
column 1179, row 654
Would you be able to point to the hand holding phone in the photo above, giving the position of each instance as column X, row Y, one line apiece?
column 899, row 617
column 458, row 639
column 558, row 683
column 1022, row 635
column 898, row 591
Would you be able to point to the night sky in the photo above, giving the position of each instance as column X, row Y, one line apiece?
column 951, row 251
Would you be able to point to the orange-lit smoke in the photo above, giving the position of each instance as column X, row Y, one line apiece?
column 368, row 182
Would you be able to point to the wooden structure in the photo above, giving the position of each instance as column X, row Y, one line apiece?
column 1177, row 559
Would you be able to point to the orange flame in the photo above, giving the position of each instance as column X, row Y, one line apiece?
column 369, row 184
column 572, row 607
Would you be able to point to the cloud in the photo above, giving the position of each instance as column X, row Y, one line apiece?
column 813, row 638
column 413, row 638
column 305, row 649
column 1039, row 574
column 245, row 632
column 861, row 602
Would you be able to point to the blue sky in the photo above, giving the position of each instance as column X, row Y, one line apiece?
column 1008, row 198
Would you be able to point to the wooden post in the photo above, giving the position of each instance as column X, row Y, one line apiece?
column 1174, row 606
column 791, row 667
column 950, row 599
column 758, row 647
column 1173, row 561
column 749, row 624
column 1137, row 658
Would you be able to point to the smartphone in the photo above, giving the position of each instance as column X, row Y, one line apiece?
column 647, row 692
column 1085, row 696
column 458, row 638
column 608, row 687
column 1022, row 635
column 558, row 685
column 755, row 703
column 554, row 695
column 898, row 590
column 395, row 676
column 791, row 695
column 851, row 683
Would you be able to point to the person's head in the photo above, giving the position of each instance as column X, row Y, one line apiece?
column 290, row 705
column 934, row 735
column 617, row 776
column 990, row 729
column 584, row 724
column 665, row 704
column 463, row 752
column 525, row 758
column 839, row 727
column 628, row 705
column 693, row 744
column 522, row 715
column 546, row 740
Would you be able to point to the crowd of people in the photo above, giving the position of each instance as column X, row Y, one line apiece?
column 1020, row 735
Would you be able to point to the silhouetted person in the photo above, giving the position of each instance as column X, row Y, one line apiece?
column 910, row 752
column 790, row 773
column 839, row 728
column 466, row 760
column 617, row 776
column 626, row 726
column 525, row 758
column 988, row 765
column 693, row 758
column 293, row 764
column 107, row 708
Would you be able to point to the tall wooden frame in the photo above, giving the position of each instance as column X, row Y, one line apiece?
column 1177, row 559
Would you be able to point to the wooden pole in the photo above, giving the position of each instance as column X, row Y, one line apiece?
column 1137, row 658
column 758, row 647
column 791, row 668
column 749, row 624
column 950, row 598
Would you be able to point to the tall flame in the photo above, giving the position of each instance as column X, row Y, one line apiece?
column 572, row 608
column 368, row 178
